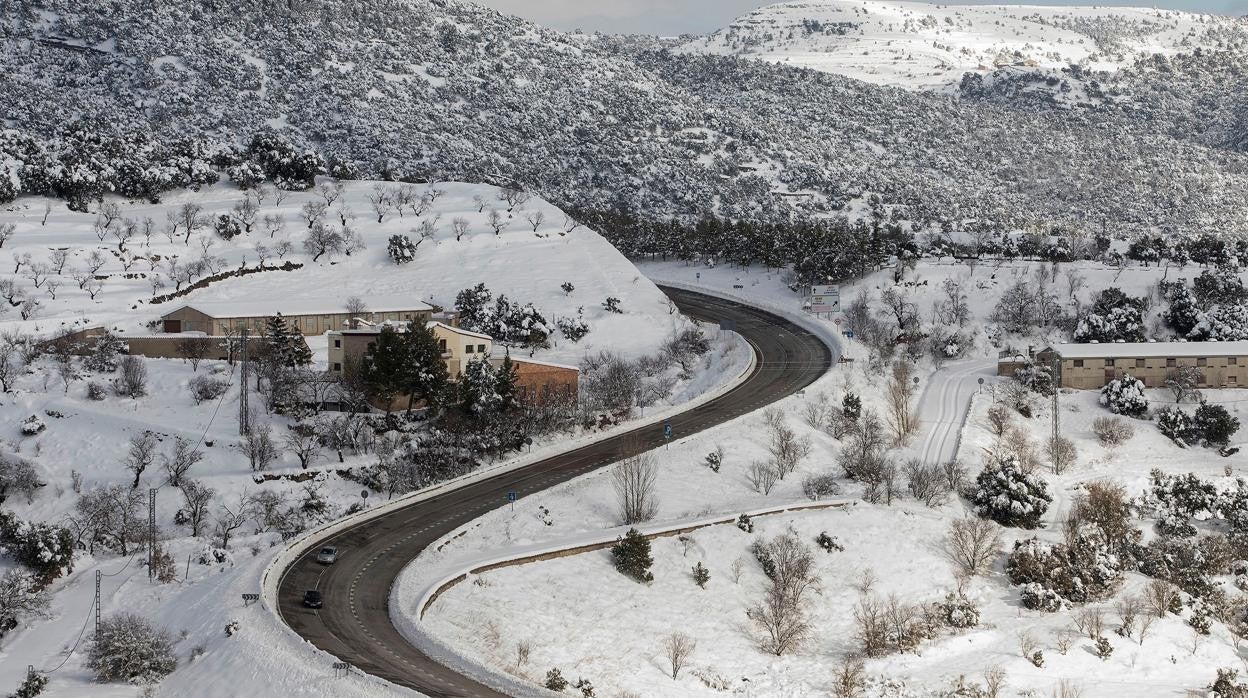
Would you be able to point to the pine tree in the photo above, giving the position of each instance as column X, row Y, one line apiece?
column 851, row 405
column 700, row 575
column 287, row 348
column 475, row 309
column 103, row 356
column 480, row 388
column 505, row 383
column 1215, row 424
column 384, row 369
column 426, row 376
column 631, row 555
column 1009, row 496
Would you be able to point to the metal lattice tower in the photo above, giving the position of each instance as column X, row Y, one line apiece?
column 244, row 410
column 98, row 576
column 151, row 534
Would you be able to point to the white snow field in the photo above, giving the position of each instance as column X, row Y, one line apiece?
column 578, row 614
column 86, row 441
column 922, row 46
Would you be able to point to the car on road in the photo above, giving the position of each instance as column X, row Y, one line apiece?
column 328, row 555
column 312, row 599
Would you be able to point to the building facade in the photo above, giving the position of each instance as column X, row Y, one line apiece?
column 538, row 383
column 1091, row 366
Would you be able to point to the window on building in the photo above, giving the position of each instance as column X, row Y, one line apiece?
column 1109, row 362
column 1202, row 362
column 442, row 345
column 1078, row 363
column 1139, row 363
column 1232, row 361
column 480, row 348
column 467, row 348
column 337, row 367
column 1232, row 379
column 1171, row 363
column 337, row 343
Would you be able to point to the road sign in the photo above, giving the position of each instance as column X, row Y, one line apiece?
column 667, row 430
column 726, row 325
column 825, row 299
column 511, row 496
column 249, row 598
column 364, row 494
column 849, row 334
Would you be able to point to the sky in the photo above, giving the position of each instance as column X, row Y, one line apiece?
column 671, row 17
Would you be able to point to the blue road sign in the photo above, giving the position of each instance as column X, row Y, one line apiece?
column 667, row 431
column 511, row 496
column 849, row 334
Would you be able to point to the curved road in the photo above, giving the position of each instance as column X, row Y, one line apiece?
column 355, row 623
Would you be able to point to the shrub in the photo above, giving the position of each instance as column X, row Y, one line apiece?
column 745, row 524
column 129, row 648
column 957, row 611
column 95, row 391
column 818, row 486
column 1227, row 685
column 1214, row 424
column 715, row 459
column 828, row 543
column 31, row 686
column 1037, row 377
column 700, row 575
column 1125, row 396
column 204, row 388
column 1080, row 571
column 401, row 249
column 631, row 555
column 1112, row 431
column 18, row 476
column 1040, row 598
column 612, row 305
column 1103, row 649
column 1184, row 495
column 555, row 681
column 1176, row 425
column 133, row 379
column 46, row 549
column 1009, row 496
column 33, row 424
column 973, row 544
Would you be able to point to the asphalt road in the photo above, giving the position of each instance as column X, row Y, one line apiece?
column 354, row 624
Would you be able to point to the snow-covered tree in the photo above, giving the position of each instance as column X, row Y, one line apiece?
column 1125, row 395
column 286, row 347
column 479, row 387
column 401, row 249
column 1008, row 495
column 631, row 555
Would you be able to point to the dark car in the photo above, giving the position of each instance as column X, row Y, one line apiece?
column 312, row 599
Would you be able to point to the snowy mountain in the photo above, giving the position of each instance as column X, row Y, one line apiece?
column 144, row 99
column 921, row 45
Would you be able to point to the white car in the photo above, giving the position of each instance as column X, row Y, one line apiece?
column 328, row 555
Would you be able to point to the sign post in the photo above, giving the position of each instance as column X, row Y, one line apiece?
column 825, row 299
column 667, row 434
column 511, row 499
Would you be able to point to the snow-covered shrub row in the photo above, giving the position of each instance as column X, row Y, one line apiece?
column 1125, row 395
column 406, row 91
column 1007, row 494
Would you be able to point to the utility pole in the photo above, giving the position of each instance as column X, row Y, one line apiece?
column 244, row 414
column 151, row 534
column 98, row 576
column 1057, row 386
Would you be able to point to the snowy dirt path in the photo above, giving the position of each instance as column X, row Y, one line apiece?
column 944, row 405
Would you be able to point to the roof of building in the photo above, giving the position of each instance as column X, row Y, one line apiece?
column 536, row 362
column 288, row 307
column 1143, row 350
column 402, row 327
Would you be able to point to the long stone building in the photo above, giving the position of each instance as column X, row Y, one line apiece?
column 1091, row 366
column 310, row 319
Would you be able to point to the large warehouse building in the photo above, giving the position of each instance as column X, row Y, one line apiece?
column 1091, row 366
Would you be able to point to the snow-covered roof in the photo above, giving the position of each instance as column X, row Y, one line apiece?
column 268, row 307
column 402, row 327
column 1144, row 350
column 459, row 330
column 527, row 360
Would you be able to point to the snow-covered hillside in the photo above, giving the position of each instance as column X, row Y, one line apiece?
column 922, row 45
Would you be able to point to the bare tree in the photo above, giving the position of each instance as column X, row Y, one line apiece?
column 496, row 221
column 927, row 482
column 459, row 227
column 762, row 476
column 190, row 220
column 142, row 453
column 787, row 448
column 1182, row 381
column 229, row 519
column 305, row 444
column 899, row 395
column 193, row 350
column 781, row 615
column 381, row 201
column 312, row 213
column 635, row 480
column 322, row 240
column 10, row 369
column 198, row 497
column 259, row 446
column 57, row 260
column 355, row 307
column 536, row 219
column 850, row 679
column 133, row 379
column 569, row 224
column 179, row 461
column 678, row 647
column 1062, row 453
column 973, row 543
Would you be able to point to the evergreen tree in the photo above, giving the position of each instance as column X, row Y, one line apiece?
column 475, row 309
column 287, row 347
column 401, row 249
column 103, row 356
column 427, row 376
column 1125, row 396
column 479, row 387
column 1215, row 424
column 384, row 370
column 1009, row 496
column 631, row 555
column 1183, row 313
column 851, row 405
column 505, row 383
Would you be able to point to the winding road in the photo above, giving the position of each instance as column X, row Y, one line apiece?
column 355, row 624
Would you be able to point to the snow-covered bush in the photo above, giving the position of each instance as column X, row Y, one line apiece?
column 745, row 523
column 129, row 648
column 204, row 388
column 1010, row 496
column 18, row 476
column 612, row 305
column 1112, row 317
column 96, row 391
column 1176, row 425
column 1214, row 424
column 819, row 486
column 1036, row 376
column 46, row 549
column 227, row 227
column 22, row 595
column 555, row 681
column 828, row 543
column 33, row 424
column 957, row 611
column 31, row 686
column 1112, row 431
column 1125, row 396
column 401, row 249
column 1186, row 563
column 1185, row 495
column 1080, row 571
column 1038, row 597
column 573, row 329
